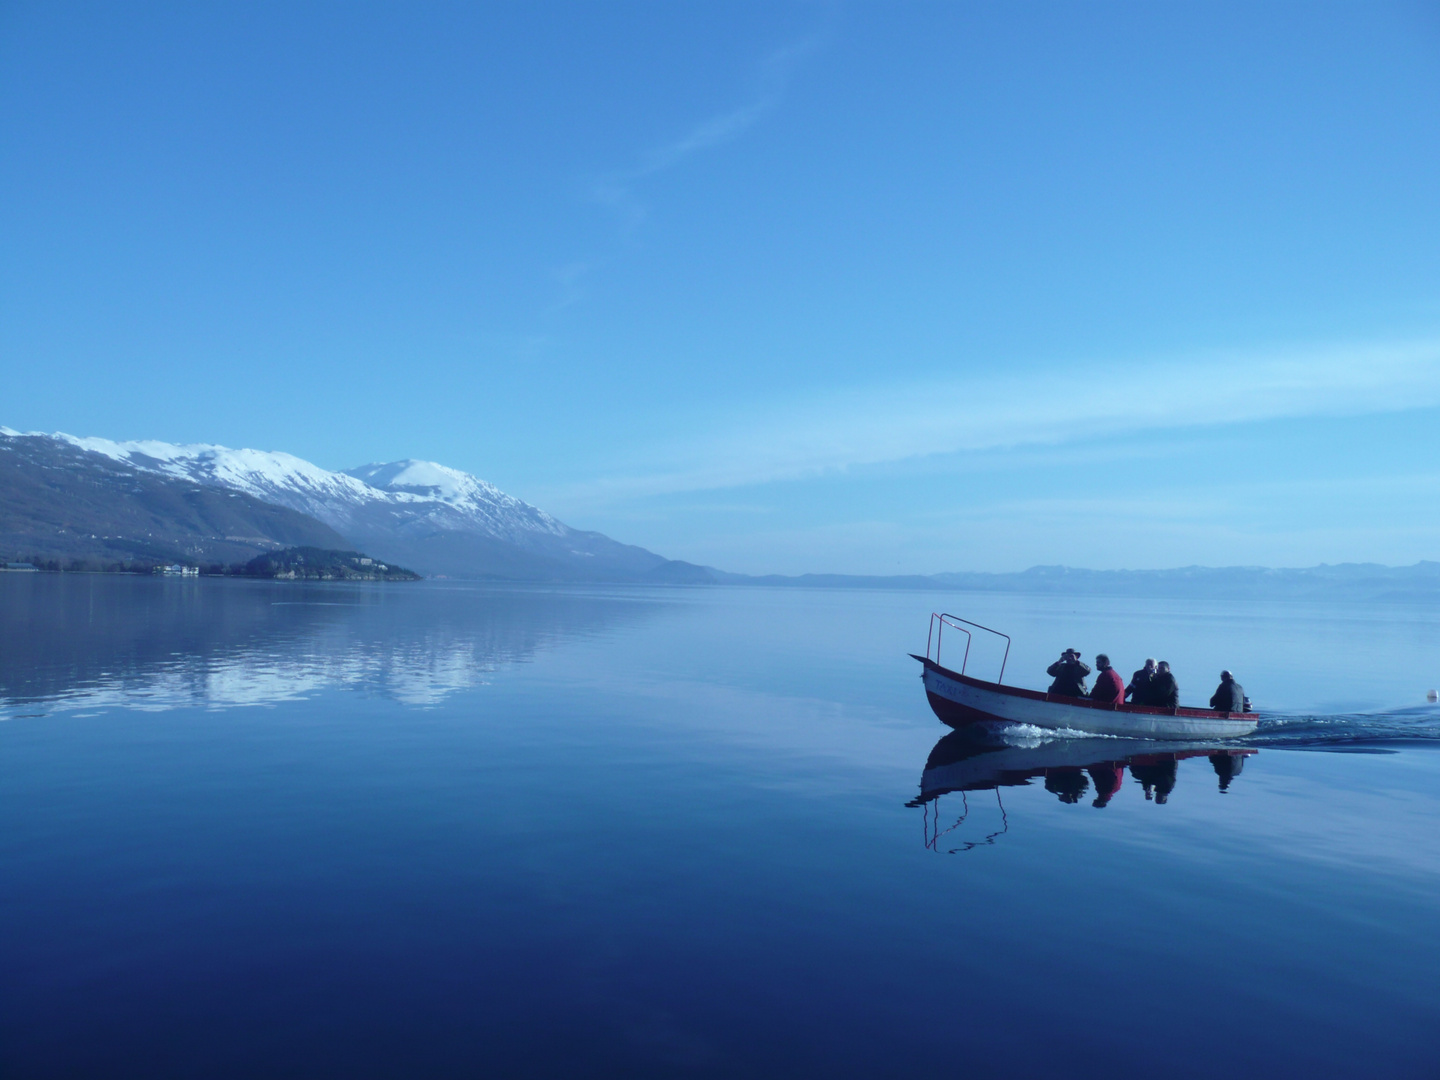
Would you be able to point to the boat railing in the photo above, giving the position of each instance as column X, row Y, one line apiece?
column 939, row 621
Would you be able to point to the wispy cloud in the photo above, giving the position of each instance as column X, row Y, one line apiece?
column 875, row 425
column 617, row 189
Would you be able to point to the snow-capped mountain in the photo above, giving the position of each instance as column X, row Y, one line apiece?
column 287, row 480
column 272, row 476
column 421, row 514
column 60, row 502
column 474, row 503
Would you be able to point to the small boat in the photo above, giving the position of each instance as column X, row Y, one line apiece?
column 961, row 700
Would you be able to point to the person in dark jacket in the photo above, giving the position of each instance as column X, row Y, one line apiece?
column 1229, row 696
column 1139, row 689
column 1107, row 683
column 1069, row 674
column 1164, row 690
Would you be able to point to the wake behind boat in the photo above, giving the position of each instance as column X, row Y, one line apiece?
column 960, row 700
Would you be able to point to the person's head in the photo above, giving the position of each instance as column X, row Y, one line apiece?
column 1102, row 662
column 1164, row 665
column 1149, row 663
column 1069, row 654
column 1225, row 676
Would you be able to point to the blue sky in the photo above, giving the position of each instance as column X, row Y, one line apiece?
column 863, row 288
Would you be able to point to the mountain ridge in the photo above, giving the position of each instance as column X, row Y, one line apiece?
column 1369, row 581
column 59, row 501
column 448, row 523
column 441, row 521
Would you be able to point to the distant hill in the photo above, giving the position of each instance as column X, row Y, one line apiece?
column 63, row 504
column 1369, row 581
column 319, row 564
column 1360, row 581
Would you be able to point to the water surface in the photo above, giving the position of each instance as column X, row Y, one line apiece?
column 329, row 830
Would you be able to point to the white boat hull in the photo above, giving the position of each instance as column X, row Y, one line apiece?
column 959, row 701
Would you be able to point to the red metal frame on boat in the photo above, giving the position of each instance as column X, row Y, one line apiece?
column 953, row 622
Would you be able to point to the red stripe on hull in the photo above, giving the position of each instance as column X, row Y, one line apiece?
column 955, row 714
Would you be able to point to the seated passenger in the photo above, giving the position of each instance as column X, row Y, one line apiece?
column 1164, row 690
column 1107, row 683
column 1069, row 674
column 1229, row 696
column 1139, row 689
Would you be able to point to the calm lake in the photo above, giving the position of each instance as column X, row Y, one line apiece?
column 253, row 829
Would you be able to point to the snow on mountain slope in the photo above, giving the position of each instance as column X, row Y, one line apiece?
column 415, row 492
column 271, row 476
column 423, row 478
column 62, row 502
column 479, row 502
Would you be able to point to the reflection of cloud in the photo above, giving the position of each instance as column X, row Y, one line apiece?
column 616, row 189
column 876, row 425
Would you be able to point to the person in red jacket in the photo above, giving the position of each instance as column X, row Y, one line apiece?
column 1109, row 687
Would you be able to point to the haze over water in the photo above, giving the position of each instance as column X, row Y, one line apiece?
column 441, row 829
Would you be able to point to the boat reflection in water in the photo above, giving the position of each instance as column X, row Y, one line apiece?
column 1073, row 770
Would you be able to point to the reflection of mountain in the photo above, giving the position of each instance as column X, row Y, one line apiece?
column 83, row 640
column 1070, row 769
